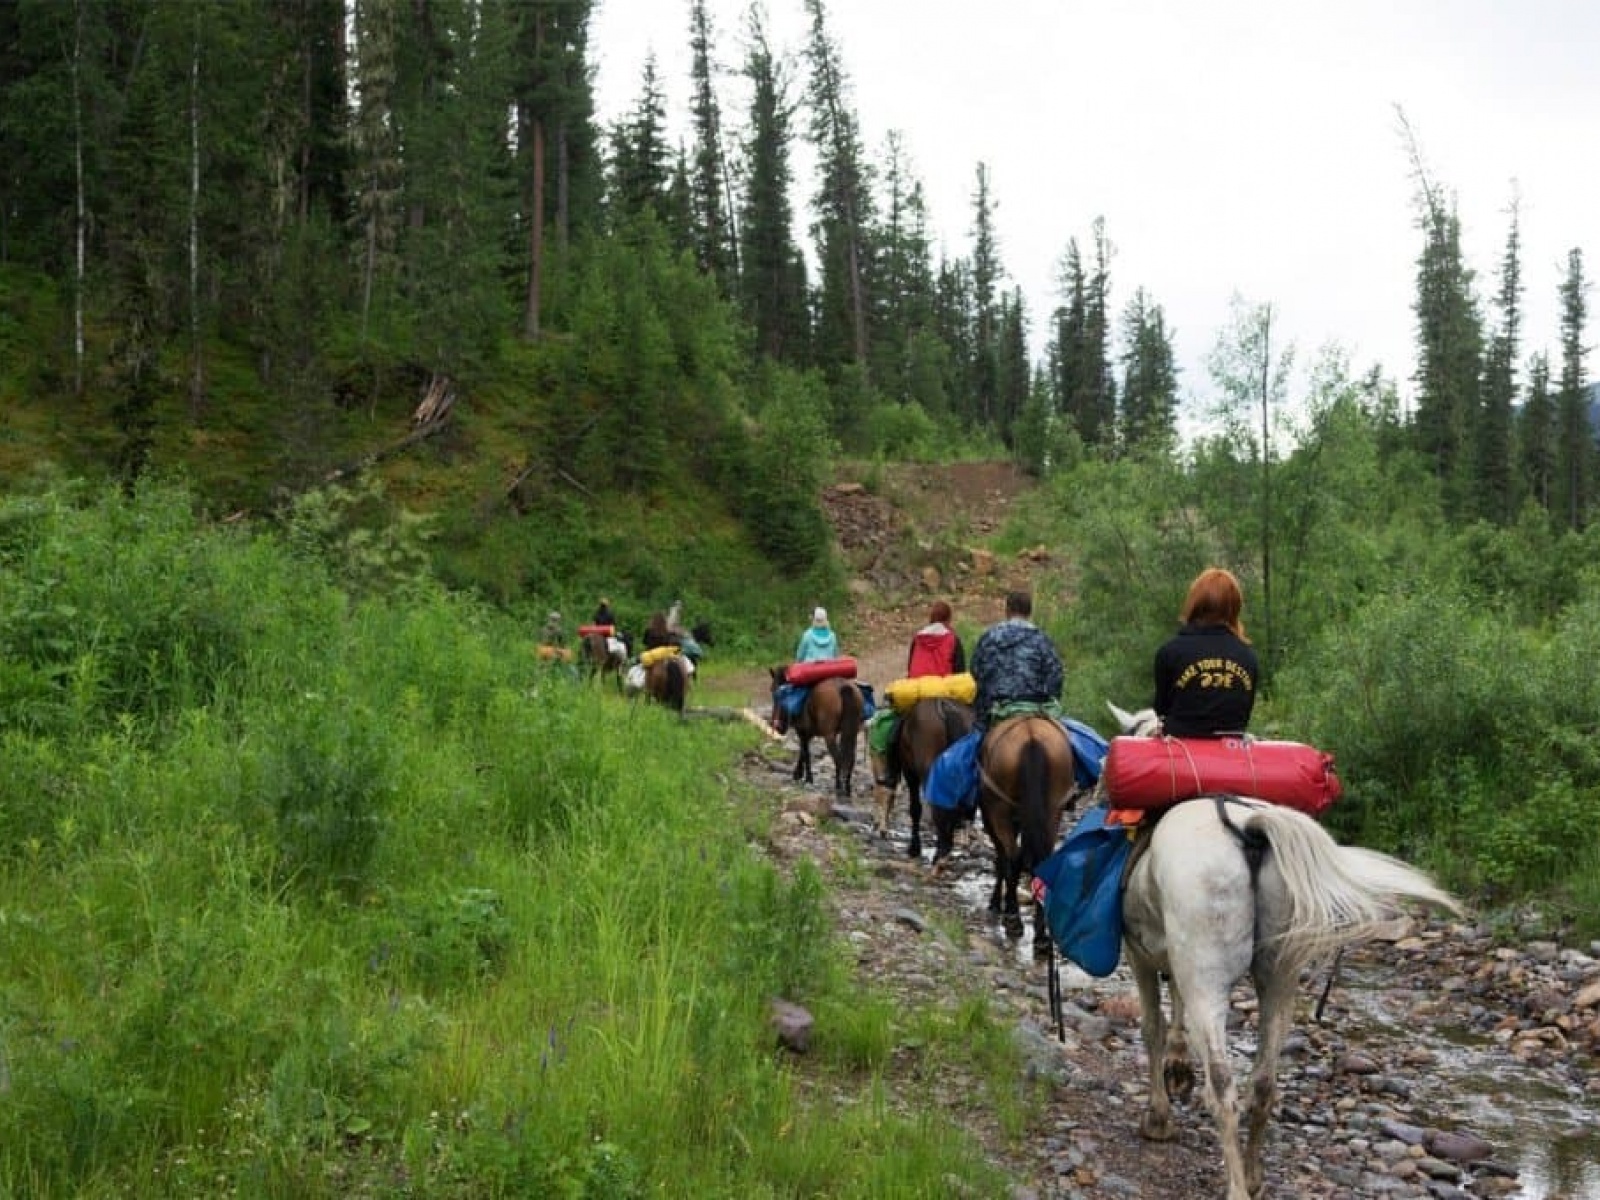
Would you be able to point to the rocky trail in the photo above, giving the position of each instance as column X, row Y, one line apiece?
column 1446, row 1063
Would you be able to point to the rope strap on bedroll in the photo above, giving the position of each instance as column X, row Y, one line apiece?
column 1152, row 772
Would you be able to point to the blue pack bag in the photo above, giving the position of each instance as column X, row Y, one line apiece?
column 869, row 700
column 952, row 781
column 1082, row 892
column 1088, row 751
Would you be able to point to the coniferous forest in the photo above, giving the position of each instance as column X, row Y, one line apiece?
column 361, row 260
column 339, row 340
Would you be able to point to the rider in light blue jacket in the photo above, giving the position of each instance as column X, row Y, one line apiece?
column 818, row 642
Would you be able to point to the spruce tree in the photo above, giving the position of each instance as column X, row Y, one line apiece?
column 1493, row 491
column 1575, row 439
column 772, row 279
column 986, row 276
column 710, row 191
column 903, row 312
column 1536, row 436
column 843, row 204
column 1148, row 419
column 641, row 159
column 1449, row 343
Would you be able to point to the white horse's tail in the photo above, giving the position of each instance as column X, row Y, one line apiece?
column 1336, row 894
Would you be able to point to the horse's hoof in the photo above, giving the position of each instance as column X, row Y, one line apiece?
column 1013, row 927
column 914, row 850
column 1156, row 1129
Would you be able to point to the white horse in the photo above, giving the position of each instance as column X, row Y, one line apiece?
column 1231, row 885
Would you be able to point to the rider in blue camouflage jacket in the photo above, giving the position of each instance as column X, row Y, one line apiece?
column 1015, row 661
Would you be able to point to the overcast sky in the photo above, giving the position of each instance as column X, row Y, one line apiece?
column 1245, row 148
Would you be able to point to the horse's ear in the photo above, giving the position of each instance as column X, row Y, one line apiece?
column 1124, row 718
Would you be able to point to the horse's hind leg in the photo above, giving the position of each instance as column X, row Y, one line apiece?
column 1157, row 1122
column 1205, row 1017
column 1176, row 1067
column 841, row 780
column 1275, row 994
column 914, row 807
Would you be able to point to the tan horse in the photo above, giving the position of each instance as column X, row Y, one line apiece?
column 1026, row 774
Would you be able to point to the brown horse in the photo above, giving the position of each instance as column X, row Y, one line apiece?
column 666, row 681
column 833, row 711
column 1026, row 774
column 926, row 729
column 600, row 660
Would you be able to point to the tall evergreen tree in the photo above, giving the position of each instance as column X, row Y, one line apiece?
column 903, row 308
column 1536, row 436
column 1494, row 491
column 1080, row 353
column 714, row 233
column 1449, row 342
column 553, row 106
column 954, row 322
column 1148, row 420
column 454, row 88
column 375, row 153
column 843, row 203
column 1013, row 371
column 986, row 275
column 1575, row 439
column 641, row 159
column 772, row 279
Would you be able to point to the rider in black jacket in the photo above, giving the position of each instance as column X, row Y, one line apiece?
column 1206, row 673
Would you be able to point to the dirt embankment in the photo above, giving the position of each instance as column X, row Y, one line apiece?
column 920, row 533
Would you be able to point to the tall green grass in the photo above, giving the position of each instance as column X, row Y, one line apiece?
column 315, row 892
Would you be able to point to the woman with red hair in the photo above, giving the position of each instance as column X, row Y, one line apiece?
column 1206, row 672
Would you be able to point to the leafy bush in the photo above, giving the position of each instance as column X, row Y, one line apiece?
column 325, row 782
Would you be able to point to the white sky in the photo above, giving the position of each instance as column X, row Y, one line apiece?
column 1234, row 147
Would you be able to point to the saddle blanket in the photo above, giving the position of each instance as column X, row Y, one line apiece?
column 791, row 699
column 952, row 782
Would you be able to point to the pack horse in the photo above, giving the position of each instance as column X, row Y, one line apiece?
column 1229, row 886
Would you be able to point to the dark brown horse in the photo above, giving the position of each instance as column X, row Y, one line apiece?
column 925, row 731
column 666, row 681
column 1026, row 774
column 600, row 660
column 833, row 711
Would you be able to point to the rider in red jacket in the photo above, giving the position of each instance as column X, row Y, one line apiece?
column 936, row 648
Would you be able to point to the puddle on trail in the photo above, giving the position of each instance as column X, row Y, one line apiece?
column 1539, row 1122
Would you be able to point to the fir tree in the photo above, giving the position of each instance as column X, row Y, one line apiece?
column 772, row 280
column 1148, row 421
column 714, row 234
column 1499, row 390
column 1536, row 436
column 1575, row 441
column 843, row 203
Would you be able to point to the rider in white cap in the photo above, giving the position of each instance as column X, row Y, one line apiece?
column 819, row 641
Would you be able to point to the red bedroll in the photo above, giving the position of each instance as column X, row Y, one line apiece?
column 602, row 630
column 1149, row 772
column 806, row 673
